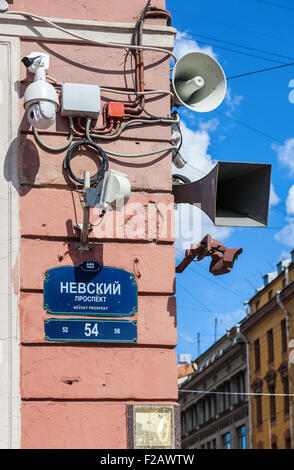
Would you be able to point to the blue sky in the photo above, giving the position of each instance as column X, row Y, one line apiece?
column 255, row 123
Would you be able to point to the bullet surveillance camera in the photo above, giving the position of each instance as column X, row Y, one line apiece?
column 40, row 99
column 28, row 61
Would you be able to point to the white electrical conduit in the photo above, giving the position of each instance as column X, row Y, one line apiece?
column 146, row 154
column 100, row 43
column 56, row 149
column 136, row 155
column 122, row 92
column 152, row 92
column 126, row 124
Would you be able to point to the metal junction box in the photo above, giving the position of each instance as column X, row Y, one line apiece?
column 79, row 99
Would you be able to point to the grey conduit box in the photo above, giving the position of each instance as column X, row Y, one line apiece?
column 79, row 99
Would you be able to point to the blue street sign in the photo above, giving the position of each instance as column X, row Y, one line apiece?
column 98, row 331
column 90, row 289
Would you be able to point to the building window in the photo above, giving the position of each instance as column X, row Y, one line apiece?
column 208, row 445
column 288, row 443
column 283, row 283
column 270, row 295
column 274, row 442
column 257, row 305
column 257, row 388
column 226, row 396
column 270, row 345
column 194, row 416
column 226, row 439
column 215, row 411
column 209, row 408
column 257, row 354
column 286, row 397
column 241, row 437
column 284, row 335
column 214, row 444
column 272, row 399
column 258, row 403
column 283, row 370
column 203, row 411
column 183, row 423
column 240, row 386
column 270, row 378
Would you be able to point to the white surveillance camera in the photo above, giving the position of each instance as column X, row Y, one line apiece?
column 42, row 114
column 3, row 6
column 40, row 99
column 178, row 160
column 112, row 193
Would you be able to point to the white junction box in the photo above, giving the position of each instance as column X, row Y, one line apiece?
column 79, row 99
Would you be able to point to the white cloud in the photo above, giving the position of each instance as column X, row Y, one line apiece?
column 191, row 223
column 286, row 235
column 187, row 337
column 195, row 149
column 228, row 320
column 184, row 44
column 286, row 154
column 232, row 101
column 290, row 201
column 274, row 198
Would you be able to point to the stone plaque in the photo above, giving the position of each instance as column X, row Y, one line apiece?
column 153, row 427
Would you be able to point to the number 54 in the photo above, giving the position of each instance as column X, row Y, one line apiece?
column 91, row 330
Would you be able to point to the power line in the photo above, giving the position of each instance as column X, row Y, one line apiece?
column 238, row 393
column 224, row 284
column 238, row 52
column 215, row 282
column 256, row 426
column 275, row 5
column 240, row 45
column 234, row 291
column 229, row 25
column 251, row 128
column 197, row 300
column 261, row 70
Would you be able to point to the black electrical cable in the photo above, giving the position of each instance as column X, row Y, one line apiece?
column 141, row 18
column 275, row 5
column 97, row 177
column 182, row 178
column 254, row 49
column 261, row 70
column 181, row 140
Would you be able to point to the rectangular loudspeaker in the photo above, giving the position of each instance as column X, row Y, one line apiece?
column 233, row 194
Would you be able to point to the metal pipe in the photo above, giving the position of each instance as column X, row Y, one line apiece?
column 246, row 308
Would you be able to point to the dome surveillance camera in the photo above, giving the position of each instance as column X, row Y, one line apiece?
column 42, row 114
column 40, row 98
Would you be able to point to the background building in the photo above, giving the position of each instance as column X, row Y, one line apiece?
column 269, row 329
column 215, row 418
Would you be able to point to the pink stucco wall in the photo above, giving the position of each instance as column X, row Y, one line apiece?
column 97, row 10
column 75, row 396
